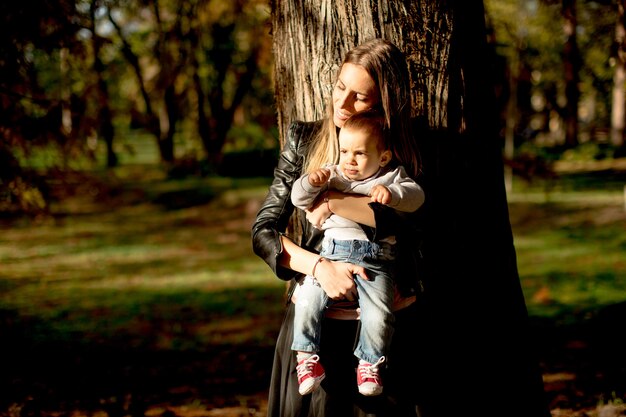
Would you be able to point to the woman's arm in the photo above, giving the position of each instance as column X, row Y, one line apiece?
column 276, row 210
column 354, row 207
column 282, row 255
column 377, row 220
column 335, row 278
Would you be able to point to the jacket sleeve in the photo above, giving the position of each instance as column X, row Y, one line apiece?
column 387, row 220
column 407, row 228
column 273, row 217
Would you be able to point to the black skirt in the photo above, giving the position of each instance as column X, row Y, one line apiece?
column 338, row 395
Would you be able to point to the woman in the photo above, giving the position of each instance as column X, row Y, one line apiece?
column 372, row 76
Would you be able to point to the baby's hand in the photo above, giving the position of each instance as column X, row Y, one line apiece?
column 319, row 177
column 380, row 194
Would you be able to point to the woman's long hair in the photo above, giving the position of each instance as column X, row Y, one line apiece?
column 386, row 64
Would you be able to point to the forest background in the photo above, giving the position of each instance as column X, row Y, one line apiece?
column 139, row 137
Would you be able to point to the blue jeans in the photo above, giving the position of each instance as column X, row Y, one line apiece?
column 375, row 299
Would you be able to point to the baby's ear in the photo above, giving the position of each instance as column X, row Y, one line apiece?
column 385, row 158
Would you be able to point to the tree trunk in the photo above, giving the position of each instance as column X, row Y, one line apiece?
column 216, row 109
column 105, row 115
column 153, row 119
column 473, row 337
column 310, row 39
column 571, row 64
column 618, row 112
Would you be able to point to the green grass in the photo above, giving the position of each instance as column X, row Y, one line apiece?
column 158, row 268
column 132, row 269
column 571, row 246
column 141, row 260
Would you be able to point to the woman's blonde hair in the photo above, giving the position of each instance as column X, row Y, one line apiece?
column 386, row 64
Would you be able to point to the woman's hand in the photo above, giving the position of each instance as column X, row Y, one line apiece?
column 337, row 279
column 319, row 212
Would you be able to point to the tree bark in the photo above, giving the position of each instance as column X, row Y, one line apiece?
column 472, row 337
column 310, row 39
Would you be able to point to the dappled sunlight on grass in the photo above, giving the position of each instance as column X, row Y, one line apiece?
column 570, row 241
column 570, row 249
column 161, row 273
column 143, row 316
column 131, row 245
column 124, row 273
column 589, row 198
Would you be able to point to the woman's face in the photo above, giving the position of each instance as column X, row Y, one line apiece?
column 355, row 91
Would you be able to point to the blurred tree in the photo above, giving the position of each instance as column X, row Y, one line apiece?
column 526, row 34
column 193, row 60
column 618, row 111
column 228, row 54
column 596, row 20
column 40, row 56
column 105, row 115
column 160, row 46
column 472, row 339
column 571, row 65
column 74, row 70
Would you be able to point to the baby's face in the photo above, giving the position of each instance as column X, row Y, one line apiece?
column 359, row 154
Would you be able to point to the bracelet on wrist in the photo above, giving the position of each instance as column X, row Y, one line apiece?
column 319, row 261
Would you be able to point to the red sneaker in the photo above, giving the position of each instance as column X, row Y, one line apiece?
column 310, row 374
column 368, row 379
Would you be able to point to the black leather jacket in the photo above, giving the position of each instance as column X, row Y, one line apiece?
column 273, row 218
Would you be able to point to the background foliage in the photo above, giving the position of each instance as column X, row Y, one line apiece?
column 136, row 142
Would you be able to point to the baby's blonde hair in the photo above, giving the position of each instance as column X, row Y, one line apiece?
column 372, row 123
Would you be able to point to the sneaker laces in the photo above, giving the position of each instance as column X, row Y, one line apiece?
column 306, row 367
column 370, row 371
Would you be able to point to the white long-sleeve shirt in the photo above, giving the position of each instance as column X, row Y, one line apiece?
column 406, row 195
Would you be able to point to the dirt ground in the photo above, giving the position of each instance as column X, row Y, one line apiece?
column 45, row 379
